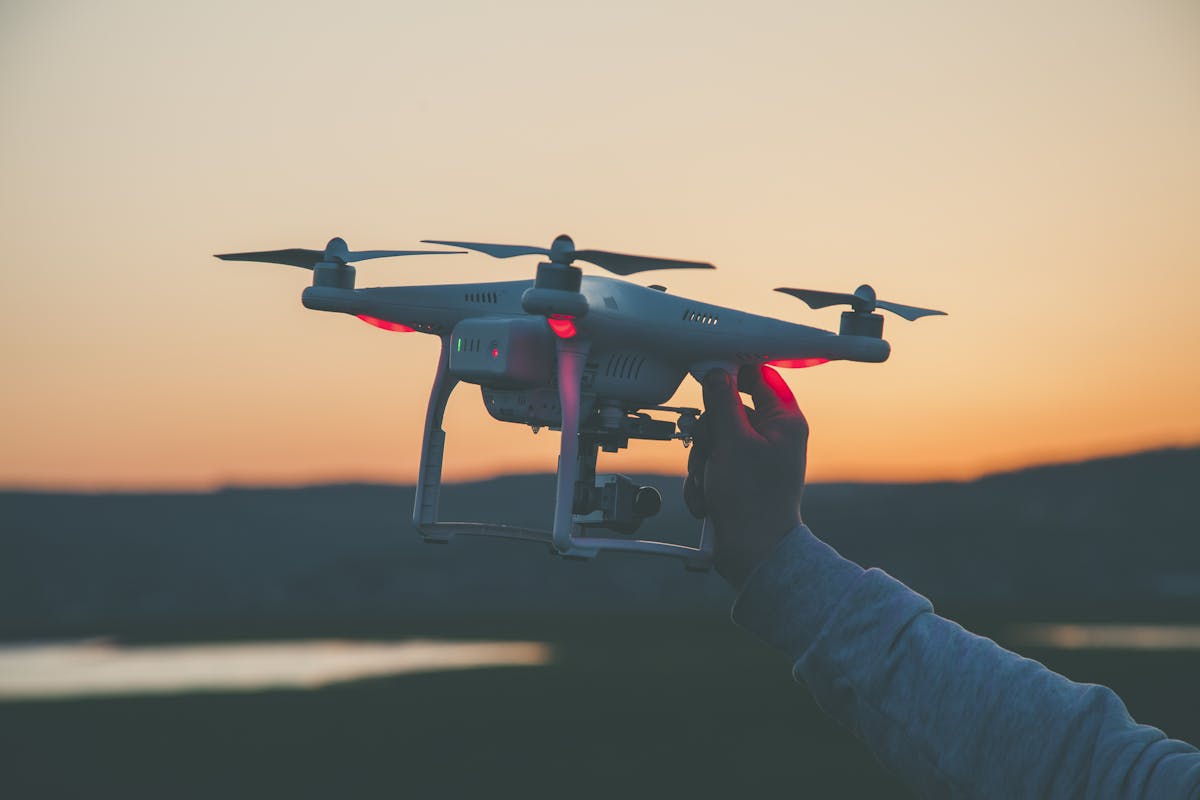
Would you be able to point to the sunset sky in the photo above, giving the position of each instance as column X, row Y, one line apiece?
column 1032, row 168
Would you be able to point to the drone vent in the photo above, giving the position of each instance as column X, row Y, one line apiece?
column 700, row 317
column 627, row 366
column 466, row 345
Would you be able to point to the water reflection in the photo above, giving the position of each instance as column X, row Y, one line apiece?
column 98, row 667
column 1108, row 636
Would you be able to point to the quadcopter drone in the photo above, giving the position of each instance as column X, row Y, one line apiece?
column 589, row 356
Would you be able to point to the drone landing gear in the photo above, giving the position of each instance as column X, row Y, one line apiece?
column 580, row 505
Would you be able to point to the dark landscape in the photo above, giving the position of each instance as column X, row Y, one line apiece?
column 652, row 691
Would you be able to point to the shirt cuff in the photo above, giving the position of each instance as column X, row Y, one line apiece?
column 790, row 595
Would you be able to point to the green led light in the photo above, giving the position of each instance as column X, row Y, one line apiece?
column 460, row 344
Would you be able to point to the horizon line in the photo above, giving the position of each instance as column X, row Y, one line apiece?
column 218, row 486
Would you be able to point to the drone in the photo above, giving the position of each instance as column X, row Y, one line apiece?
column 587, row 355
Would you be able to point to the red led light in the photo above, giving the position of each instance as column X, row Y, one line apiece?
column 563, row 325
column 383, row 323
column 798, row 363
column 495, row 352
column 778, row 385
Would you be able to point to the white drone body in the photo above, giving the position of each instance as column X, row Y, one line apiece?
column 589, row 356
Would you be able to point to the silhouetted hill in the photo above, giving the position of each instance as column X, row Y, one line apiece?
column 1106, row 538
column 1107, row 533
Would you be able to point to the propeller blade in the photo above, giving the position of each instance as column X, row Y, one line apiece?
column 295, row 257
column 910, row 313
column 819, row 299
column 363, row 255
column 495, row 250
column 308, row 259
column 862, row 301
column 624, row 264
column 564, row 252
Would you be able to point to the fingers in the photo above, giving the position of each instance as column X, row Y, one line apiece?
column 693, row 494
column 723, row 408
column 771, row 394
column 693, row 485
column 701, row 445
column 701, row 439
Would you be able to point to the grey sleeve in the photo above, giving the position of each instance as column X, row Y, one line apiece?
column 951, row 713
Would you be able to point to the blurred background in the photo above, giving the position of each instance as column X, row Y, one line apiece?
column 208, row 579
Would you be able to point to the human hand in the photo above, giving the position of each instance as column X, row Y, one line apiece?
column 746, row 468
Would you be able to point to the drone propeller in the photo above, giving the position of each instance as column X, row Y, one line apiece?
column 563, row 252
column 336, row 252
column 862, row 301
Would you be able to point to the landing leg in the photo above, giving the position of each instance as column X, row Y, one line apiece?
column 572, row 357
column 565, row 539
column 433, row 448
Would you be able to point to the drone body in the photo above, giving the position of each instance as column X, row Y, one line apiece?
column 589, row 356
column 643, row 342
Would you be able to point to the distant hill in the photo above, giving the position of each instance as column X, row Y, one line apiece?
column 1106, row 538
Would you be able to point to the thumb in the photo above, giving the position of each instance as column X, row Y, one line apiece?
column 723, row 406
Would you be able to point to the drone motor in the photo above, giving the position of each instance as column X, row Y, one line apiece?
column 614, row 502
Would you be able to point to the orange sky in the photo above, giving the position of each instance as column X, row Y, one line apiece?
column 1031, row 168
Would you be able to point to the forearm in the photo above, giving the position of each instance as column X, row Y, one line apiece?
column 951, row 713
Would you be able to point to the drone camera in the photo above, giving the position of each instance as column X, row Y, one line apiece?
column 615, row 502
column 510, row 353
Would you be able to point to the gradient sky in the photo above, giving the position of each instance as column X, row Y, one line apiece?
column 1033, row 168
